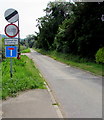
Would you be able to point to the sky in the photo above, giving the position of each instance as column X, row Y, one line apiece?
column 28, row 10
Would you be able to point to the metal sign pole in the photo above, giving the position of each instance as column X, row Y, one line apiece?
column 18, row 41
column 11, row 67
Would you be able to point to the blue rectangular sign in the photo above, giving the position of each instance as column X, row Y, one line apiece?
column 10, row 51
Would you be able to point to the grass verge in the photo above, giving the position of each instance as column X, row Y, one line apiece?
column 26, row 50
column 25, row 76
column 75, row 61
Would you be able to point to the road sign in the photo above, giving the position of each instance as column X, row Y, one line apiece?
column 13, row 41
column 10, row 51
column 11, row 15
column 11, row 30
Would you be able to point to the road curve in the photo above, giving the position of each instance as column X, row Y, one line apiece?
column 78, row 92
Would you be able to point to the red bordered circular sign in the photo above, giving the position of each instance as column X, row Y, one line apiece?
column 11, row 30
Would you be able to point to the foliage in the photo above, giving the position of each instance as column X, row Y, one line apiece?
column 72, row 28
column 61, row 43
column 100, row 55
column 75, row 61
column 48, row 25
column 25, row 76
column 3, row 49
column 26, row 50
column 29, row 41
column 22, row 47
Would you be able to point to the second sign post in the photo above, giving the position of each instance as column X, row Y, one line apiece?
column 11, row 31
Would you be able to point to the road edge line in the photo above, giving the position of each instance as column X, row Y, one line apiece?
column 59, row 113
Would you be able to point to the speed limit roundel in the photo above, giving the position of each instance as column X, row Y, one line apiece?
column 11, row 30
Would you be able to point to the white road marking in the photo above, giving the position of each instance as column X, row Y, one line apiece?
column 59, row 113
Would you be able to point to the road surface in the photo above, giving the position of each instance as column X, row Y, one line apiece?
column 79, row 93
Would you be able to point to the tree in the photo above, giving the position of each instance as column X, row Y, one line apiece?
column 89, row 28
column 48, row 25
column 30, row 39
column 82, row 33
column 72, row 28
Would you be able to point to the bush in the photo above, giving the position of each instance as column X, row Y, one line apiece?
column 100, row 55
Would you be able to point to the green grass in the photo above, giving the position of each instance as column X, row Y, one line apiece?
column 25, row 76
column 26, row 50
column 75, row 61
column 0, row 80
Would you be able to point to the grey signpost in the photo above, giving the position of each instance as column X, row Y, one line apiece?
column 11, row 30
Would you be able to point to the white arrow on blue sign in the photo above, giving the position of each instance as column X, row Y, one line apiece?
column 10, row 51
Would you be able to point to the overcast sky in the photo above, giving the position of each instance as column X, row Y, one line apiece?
column 29, row 11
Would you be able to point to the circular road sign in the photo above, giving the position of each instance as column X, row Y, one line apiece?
column 11, row 30
column 11, row 15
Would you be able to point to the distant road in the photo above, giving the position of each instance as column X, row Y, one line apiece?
column 79, row 93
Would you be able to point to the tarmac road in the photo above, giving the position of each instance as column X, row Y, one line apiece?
column 78, row 92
